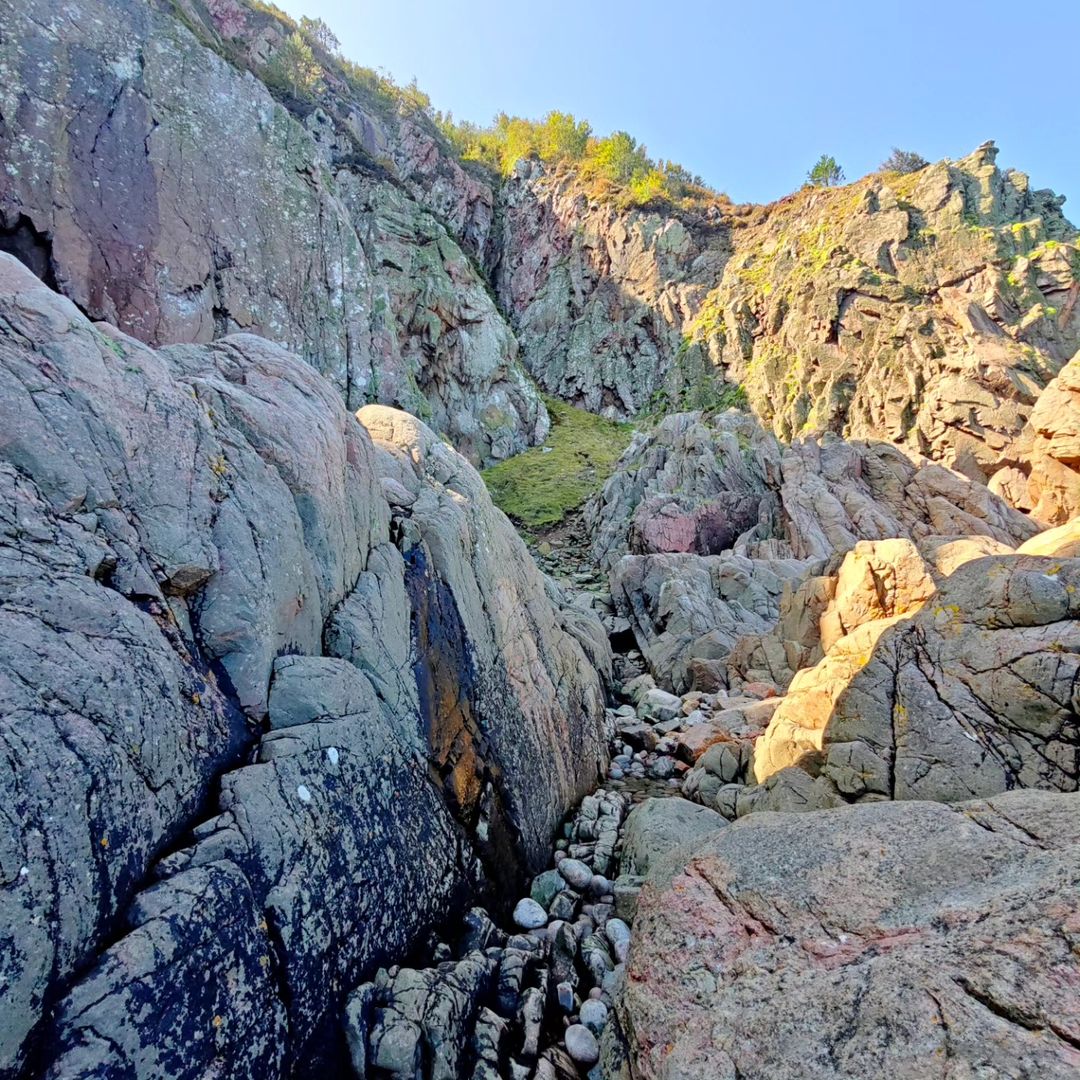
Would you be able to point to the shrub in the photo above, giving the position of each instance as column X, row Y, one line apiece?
column 826, row 173
column 294, row 68
column 618, row 157
column 903, row 161
column 562, row 138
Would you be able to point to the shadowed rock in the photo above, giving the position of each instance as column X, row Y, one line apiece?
column 187, row 533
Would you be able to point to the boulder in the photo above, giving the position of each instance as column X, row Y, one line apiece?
column 864, row 941
column 973, row 695
column 216, row 628
column 1040, row 471
column 658, row 826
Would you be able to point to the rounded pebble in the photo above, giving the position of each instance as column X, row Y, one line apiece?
column 576, row 873
column 529, row 915
column 594, row 1015
column 617, row 930
column 581, row 1045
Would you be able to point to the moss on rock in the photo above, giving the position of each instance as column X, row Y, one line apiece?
column 539, row 487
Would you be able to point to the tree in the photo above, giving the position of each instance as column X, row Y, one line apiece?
column 293, row 66
column 316, row 31
column 618, row 157
column 562, row 138
column 826, row 173
column 904, row 161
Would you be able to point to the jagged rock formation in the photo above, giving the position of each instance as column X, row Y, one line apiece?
column 598, row 297
column 265, row 658
column 972, row 695
column 751, row 520
column 163, row 189
column 1040, row 470
column 864, row 941
column 927, row 309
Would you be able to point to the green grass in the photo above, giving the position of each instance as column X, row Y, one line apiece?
column 539, row 487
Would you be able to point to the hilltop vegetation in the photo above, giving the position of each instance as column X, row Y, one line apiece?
column 617, row 164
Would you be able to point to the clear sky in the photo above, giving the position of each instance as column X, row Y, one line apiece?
column 749, row 94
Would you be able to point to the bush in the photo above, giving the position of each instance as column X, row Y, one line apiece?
column 903, row 161
column 826, row 173
column 562, row 138
column 294, row 68
column 618, row 158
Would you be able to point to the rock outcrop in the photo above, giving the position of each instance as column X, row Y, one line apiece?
column 926, row 309
column 600, row 297
column 1040, row 471
column 732, row 532
column 277, row 699
column 899, row 940
column 972, row 695
column 151, row 179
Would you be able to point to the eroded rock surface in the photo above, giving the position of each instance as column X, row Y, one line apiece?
column 150, row 178
column 1041, row 469
column 328, row 664
column 973, row 695
column 926, row 309
column 740, row 538
column 898, row 940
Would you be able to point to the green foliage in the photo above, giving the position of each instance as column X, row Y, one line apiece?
column 379, row 88
column 562, row 138
column 541, row 486
column 903, row 161
column 617, row 160
column 826, row 173
column 320, row 35
column 294, row 68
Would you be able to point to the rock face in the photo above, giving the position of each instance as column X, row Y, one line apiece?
column 736, row 532
column 200, row 544
column 864, row 941
column 598, row 297
column 162, row 188
column 927, row 309
column 1041, row 470
column 973, row 695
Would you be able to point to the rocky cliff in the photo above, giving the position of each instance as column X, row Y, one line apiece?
column 928, row 309
column 281, row 691
column 283, row 695
column 160, row 186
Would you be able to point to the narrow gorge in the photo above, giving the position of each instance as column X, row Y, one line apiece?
column 470, row 614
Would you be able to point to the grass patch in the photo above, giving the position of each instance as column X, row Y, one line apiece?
column 539, row 487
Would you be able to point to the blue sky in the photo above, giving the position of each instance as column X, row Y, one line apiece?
column 749, row 94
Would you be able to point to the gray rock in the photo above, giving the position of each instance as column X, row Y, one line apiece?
column 529, row 915
column 576, row 873
column 883, row 925
column 658, row 826
column 581, row 1045
column 364, row 276
column 659, row 705
column 157, row 618
column 594, row 1015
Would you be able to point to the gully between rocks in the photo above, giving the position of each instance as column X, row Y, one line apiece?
column 532, row 995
